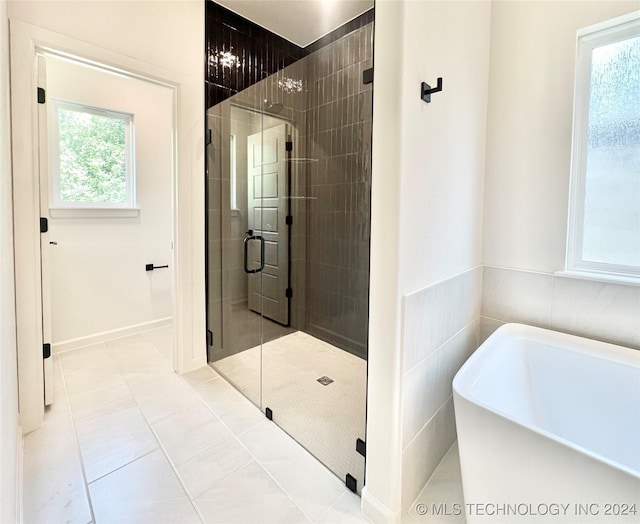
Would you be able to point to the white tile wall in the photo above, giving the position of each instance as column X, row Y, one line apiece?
column 422, row 456
column 603, row 310
column 433, row 315
column 606, row 311
column 441, row 330
column 600, row 310
column 443, row 491
column 517, row 296
column 488, row 326
column 427, row 386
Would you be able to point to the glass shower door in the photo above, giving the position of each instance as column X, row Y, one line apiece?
column 289, row 221
column 248, row 258
column 234, row 255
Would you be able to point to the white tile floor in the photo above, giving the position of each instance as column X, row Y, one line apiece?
column 327, row 420
column 128, row 440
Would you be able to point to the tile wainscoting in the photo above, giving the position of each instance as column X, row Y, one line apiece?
column 445, row 323
column 606, row 311
column 441, row 330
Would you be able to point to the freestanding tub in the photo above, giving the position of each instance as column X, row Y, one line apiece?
column 549, row 429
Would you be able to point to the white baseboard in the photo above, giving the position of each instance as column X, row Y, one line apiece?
column 376, row 511
column 194, row 364
column 19, row 473
column 67, row 345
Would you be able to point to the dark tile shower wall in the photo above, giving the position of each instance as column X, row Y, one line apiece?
column 339, row 112
column 332, row 116
column 254, row 51
column 234, row 326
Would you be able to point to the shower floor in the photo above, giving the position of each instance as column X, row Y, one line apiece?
column 325, row 419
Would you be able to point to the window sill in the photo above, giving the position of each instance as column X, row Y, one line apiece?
column 600, row 277
column 94, row 212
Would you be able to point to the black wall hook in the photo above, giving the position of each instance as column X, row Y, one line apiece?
column 426, row 90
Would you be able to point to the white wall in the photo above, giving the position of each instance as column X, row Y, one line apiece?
column 8, row 370
column 168, row 33
column 382, row 490
column 533, row 46
column 529, row 130
column 160, row 39
column 443, row 142
column 98, row 278
column 427, row 184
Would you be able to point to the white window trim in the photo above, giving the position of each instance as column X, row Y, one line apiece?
column 60, row 208
column 589, row 38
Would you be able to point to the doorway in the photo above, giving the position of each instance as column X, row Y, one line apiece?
column 106, row 197
column 27, row 42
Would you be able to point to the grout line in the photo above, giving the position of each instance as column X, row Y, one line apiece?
column 160, row 446
column 123, row 466
column 474, row 321
column 434, row 472
column 71, row 351
column 552, row 300
column 450, row 397
column 157, row 438
column 505, row 268
column 263, row 354
column 443, row 280
column 494, row 319
column 340, row 497
column 177, row 474
column 237, row 437
column 75, row 432
column 221, row 478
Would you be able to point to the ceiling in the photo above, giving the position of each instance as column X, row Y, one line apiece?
column 299, row 21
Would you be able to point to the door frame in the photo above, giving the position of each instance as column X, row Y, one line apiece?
column 27, row 41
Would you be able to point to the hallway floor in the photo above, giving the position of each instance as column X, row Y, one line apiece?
column 128, row 440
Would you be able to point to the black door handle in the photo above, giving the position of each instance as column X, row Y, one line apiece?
column 151, row 267
column 251, row 236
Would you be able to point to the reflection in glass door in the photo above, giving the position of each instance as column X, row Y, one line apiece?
column 288, row 247
column 268, row 224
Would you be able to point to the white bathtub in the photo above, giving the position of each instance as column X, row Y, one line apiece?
column 549, row 429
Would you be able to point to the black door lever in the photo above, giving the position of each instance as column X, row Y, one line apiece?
column 151, row 267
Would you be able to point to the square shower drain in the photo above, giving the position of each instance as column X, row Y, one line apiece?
column 325, row 381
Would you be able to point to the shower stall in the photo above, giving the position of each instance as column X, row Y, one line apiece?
column 288, row 227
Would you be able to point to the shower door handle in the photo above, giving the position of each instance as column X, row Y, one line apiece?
column 251, row 236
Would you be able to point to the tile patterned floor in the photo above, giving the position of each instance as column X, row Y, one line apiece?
column 128, row 440
column 326, row 420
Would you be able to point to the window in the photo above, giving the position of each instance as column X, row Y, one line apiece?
column 92, row 157
column 233, row 175
column 604, row 218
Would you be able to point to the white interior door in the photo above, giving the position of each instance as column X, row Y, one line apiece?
column 267, row 217
column 45, row 242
